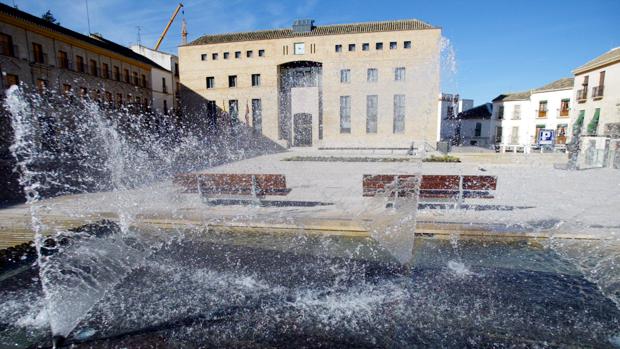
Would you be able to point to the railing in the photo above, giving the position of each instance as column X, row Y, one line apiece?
column 597, row 91
column 564, row 112
column 542, row 113
column 582, row 95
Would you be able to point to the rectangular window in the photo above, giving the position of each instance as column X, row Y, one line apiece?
column 79, row 64
column 214, row 56
column 379, row 46
column 564, row 107
column 261, row 53
column 37, row 53
column 226, row 54
column 372, row 75
column 210, row 82
column 66, row 89
column 93, row 67
column 371, row 113
column 126, row 75
column 176, row 69
column 143, row 80
column 345, row 76
column 233, row 109
column 393, row 45
column 351, row 47
column 399, row 74
column 257, row 115
column 345, row 114
column 478, row 129
column 203, row 57
column 542, row 109
column 399, row 114
column 516, row 112
column 83, row 92
column 63, row 60
column 249, row 53
column 365, row 46
column 255, row 79
column 232, row 80
column 41, row 85
column 500, row 112
column 12, row 79
column 164, row 86
column 6, row 45
column 119, row 100
column 135, row 78
column 117, row 73
column 237, row 54
column 105, row 70
column 338, row 48
column 601, row 78
column 407, row 44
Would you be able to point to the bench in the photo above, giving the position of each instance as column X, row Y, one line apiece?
column 431, row 187
column 242, row 188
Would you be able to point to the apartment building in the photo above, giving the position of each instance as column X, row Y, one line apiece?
column 165, row 79
column 522, row 115
column 362, row 85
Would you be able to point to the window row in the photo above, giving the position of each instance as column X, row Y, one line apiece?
column 232, row 81
column 78, row 65
column 256, row 123
column 372, row 75
column 393, row 45
column 372, row 114
column 226, row 55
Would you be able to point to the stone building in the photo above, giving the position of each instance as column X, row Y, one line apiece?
column 363, row 85
column 165, row 79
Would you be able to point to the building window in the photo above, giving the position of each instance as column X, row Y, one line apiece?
column 379, row 46
column 119, row 100
column 63, row 60
column 93, row 68
column 203, row 57
column 79, row 64
column 117, row 73
column 261, row 53
column 338, row 48
column 500, row 113
column 542, row 109
column 232, row 80
column 210, row 82
column 372, row 75
column 399, row 113
column 226, row 55
column 143, row 80
column 345, row 76
column 135, row 78
column 351, row 47
column 164, row 86
column 255, row 80
column 41, row 85
column 365, row 46
column 105, row 70
column 11, row 79
column 516, row 112
column 564, row 107
column 214, row 56
column 165, row 107
column 407, row 44
column 478, row 129
column 108, row 97
column 126, row 75
column 249, row 53
column 237, row 54
column 345, row 114
column 299, row 48
column 6, row 45
column 37, row 53
column 257, row 115
column 371, row 113
column 83, row 92
column 399, row 74
column 393, row 45
column 176, row 69
column 233, row 109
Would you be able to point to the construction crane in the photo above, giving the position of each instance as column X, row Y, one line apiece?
column 161, row 37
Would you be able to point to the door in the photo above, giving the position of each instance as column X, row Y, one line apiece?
column 498, row 134
column 302, row 130
column 561, row 134
column 514, row 137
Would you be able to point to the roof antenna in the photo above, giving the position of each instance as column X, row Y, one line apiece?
column 87, row 16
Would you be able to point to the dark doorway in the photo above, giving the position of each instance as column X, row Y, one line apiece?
column 302, row 126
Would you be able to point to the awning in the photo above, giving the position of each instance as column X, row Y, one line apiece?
column 593, row 125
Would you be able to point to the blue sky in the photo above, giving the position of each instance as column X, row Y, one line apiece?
column 499, row 46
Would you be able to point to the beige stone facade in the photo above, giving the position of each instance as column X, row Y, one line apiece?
column 383, row 71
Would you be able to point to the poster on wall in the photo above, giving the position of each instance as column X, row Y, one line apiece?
column 546, row 137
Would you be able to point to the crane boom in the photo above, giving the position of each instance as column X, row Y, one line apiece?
column 161, row 37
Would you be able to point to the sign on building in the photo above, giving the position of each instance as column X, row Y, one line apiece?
column 546, row 137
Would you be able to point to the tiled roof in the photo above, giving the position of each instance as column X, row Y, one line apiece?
column 337, row 29
column 608, row 57
column 562, row 84
column 99, row 42
column 513, row 96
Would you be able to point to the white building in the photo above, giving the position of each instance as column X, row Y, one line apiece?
column 165, row 81
column 523, row 115
column 477, row 126
column 448, row 107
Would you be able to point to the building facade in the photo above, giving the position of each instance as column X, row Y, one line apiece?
column 354, row 85
column 165, row 79
column 477, row 127
column 448, row 108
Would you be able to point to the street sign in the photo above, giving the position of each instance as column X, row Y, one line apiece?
column 546, row 137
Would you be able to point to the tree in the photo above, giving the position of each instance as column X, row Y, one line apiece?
column 48, row 16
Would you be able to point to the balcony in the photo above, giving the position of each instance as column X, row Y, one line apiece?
column 582, row 95
column 542, row 113
column 597, row 92
column 564, row 112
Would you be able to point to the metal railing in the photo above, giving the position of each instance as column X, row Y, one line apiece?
column 582, row 94
column 542, row 113
column 597, row 91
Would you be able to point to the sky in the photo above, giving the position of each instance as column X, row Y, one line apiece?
column 494, row 46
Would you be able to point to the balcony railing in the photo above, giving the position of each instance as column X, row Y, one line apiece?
column 582, row 95
column 563, row 112
column 597, row 91
column 542, row 113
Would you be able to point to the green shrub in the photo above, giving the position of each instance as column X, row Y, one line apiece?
column 442, row 158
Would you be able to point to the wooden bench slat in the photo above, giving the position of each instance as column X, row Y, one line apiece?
column 233, row 184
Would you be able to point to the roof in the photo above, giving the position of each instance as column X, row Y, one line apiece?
column 562, row 84
column 96, row 41
column 611, row 56
column 337, row 29
column 483, row 111
column 513, row 96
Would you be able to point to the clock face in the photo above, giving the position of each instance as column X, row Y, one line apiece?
column 299, row 48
